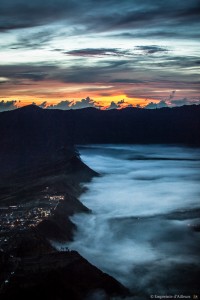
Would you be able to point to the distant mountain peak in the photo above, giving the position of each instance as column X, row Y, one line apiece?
column 31, row 107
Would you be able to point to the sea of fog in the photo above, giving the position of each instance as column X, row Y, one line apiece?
column 145, row 220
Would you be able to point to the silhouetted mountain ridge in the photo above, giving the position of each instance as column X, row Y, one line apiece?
column 32, row 126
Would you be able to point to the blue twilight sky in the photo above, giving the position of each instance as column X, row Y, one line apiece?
column 108, row 53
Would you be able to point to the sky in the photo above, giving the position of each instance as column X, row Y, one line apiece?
column 106, row 54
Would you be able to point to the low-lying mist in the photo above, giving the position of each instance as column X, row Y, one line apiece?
column 144, row 229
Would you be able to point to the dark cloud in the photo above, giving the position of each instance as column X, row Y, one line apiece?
column 103, row 72
column 151, row 49
column 105, row 15
column 26, row 71
column 24, row 14
column 159, row 16
column 179, row 61
column 8, row 105
column 169, row 71
column 92, row 52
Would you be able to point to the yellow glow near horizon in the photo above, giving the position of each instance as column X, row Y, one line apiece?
column 103, row 101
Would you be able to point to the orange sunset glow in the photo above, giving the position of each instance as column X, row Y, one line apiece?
column 53, row 92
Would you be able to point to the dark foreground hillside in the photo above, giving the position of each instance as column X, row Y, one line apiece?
column 40, row 182
column 36, row 202
column 41, row 178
